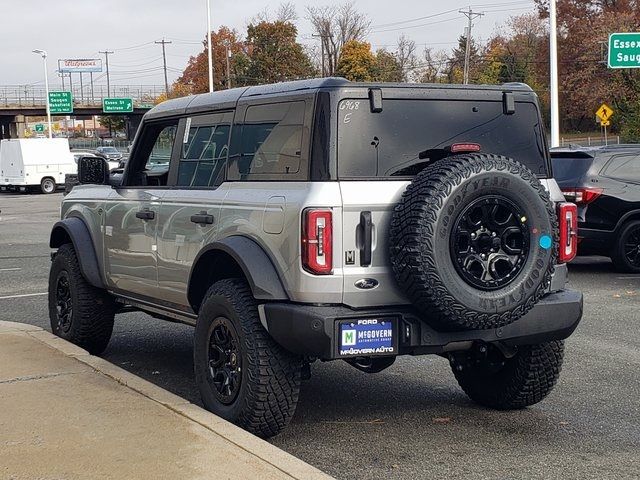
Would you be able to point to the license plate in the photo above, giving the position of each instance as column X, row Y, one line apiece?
column 365, row 337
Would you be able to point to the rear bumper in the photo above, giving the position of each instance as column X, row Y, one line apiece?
column 313, row 331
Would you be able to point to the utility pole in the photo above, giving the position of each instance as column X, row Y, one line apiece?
column 553, row 70
column 228, row 55
column 209, row 47
column 106, row 57
column 164, row 61
column 321, row 37
column 471, row 16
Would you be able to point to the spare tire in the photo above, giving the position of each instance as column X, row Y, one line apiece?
column 473, row 241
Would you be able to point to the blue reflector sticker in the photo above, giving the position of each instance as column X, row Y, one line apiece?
column 546, row 242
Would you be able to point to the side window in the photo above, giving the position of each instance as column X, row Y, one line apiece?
column 203, row 156
column 150, row 165
column 270, row 140
column 624, row 167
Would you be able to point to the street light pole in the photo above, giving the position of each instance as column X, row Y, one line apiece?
column 43, row 54
column 553, row 70
column 209, row 47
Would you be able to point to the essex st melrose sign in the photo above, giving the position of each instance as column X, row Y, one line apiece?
column 624, row 50
column 117, row 105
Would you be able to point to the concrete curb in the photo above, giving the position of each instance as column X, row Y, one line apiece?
column 261, row 449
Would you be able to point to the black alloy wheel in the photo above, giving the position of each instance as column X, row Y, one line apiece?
column 64, row 302
column 224, row 360
column 490, row 243
column 632, row 246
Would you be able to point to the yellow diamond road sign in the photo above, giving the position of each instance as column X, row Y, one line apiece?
column 604, row 112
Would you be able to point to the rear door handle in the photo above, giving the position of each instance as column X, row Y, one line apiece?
column 202, row 218
column 146, row 214
column 366, row 231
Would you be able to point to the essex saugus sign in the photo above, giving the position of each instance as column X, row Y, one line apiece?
column 624, row 50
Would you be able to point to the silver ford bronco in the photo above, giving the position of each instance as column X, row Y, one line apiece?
column 325, row 220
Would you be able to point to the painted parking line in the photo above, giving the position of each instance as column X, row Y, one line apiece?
column 637, row 277
column 15, row 269
column 24, row 295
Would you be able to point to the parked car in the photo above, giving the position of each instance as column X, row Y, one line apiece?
column 29, row 164
column 111, row 154
column 329, row 220
column 605, row 184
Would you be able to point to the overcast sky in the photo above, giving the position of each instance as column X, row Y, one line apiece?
column 80, row 29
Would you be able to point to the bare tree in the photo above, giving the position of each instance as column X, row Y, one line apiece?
column 286, row 13
column 336, row 25
column 433, row 67
column 406, row 55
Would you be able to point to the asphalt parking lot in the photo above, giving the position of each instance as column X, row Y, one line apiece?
column 410, row 421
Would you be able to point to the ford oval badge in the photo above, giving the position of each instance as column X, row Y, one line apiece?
column 366, row 283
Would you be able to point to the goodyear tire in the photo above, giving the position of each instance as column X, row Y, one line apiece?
column 473, row 241
column 243, row 375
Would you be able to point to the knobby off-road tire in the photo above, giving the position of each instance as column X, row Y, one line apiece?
column 520, row 381
column 626, row 252
column 78, row 311
column 421, row 242
column 230, row 344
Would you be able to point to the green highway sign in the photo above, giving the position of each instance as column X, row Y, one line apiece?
column 60, row 102
column 624, row 50
column 39, row 128
column 117, row 105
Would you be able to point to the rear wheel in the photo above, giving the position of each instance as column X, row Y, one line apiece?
column 626, row 253
column 243, row 375
column 491, row 379
column 47, row 185
column 78, row 311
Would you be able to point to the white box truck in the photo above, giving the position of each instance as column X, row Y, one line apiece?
column 35, row 163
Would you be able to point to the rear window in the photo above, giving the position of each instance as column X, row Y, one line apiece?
column 570, row 165
column 390, row 143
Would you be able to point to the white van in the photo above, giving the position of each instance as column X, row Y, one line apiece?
column 42, row 163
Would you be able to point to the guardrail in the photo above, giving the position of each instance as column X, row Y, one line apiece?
column 590, row 141
column 30, row 96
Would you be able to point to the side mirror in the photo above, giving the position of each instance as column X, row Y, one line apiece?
column 93, row 170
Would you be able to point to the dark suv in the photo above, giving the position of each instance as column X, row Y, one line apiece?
column 605, row 184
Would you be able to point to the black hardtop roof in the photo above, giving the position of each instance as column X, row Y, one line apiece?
column 224, row 99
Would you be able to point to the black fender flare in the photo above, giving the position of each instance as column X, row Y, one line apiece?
column 254, row 262
column 76, row 230
column 635, row 214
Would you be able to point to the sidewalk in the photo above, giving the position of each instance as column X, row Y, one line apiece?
column 65, row 414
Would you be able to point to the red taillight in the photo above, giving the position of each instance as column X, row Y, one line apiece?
column 317, row 241
column 465, row 147
column 568, row 238
column 581, row 196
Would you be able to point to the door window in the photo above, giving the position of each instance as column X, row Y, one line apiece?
column 624, row 167
column 150, row 163
column 204, row 156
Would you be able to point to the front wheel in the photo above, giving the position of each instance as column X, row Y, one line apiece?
column 47, row 185
column 491, row 379
column 79, row 312
column 243, row 375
